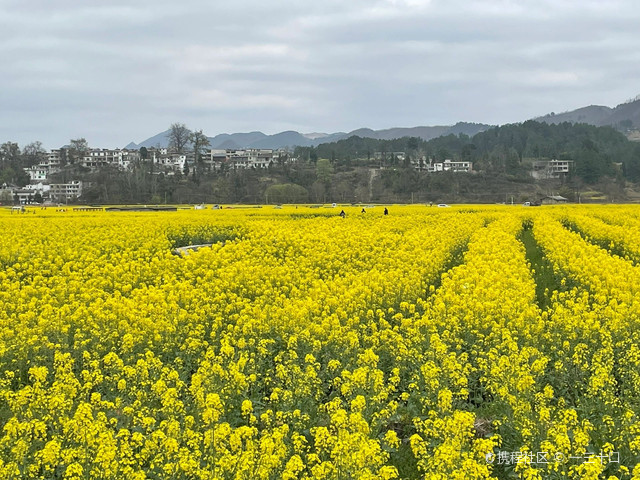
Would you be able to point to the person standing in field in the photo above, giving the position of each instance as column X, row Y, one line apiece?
column 386, row 211
column 342, row 214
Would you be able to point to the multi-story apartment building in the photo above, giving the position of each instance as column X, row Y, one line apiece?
column 215, row 158
column 37, row 173
column 169, row 161
column 251, row 158
column 102, row 157
column 457, row 166
column 61, row 192
column 54, row 159
column 551, row 168
column 244, row 158
column 128, row 158
column 449, row 165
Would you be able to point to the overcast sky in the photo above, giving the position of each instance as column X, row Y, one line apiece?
column 116, row 71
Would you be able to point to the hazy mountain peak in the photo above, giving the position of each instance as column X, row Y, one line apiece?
column 624, row 116
column 291, row 138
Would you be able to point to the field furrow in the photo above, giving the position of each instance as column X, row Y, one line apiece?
column 429, row 343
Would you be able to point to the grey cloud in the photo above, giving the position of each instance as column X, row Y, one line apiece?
column 117, row 71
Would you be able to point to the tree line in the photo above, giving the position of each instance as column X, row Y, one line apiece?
column 349, row 170
column 510, row 149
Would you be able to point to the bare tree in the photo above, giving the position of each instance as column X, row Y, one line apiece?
column 33, row 153
column 77, row 149
column 200, row 142
column 179, row 136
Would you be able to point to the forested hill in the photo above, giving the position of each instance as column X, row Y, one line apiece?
column 625, row 116
column 508, row 149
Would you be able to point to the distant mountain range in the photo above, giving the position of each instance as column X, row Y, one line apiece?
column 293, row 139
column 625, row 116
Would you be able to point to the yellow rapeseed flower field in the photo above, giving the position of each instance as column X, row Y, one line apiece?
column 476, row 342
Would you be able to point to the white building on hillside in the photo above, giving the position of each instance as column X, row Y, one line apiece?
column 61, row 192
column 551, row 168
column 37, row 173
column 450, row 165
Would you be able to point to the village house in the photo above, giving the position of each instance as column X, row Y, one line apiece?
column 553, row 199
column 62, row 192
column 544, row 169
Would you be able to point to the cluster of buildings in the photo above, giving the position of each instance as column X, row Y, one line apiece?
column 42, row 188
column 541, row 169
column 217, row 159
column 424, row 164
column 170, row 162
column 163, row 159
column 246, row 158
column 41, row 192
